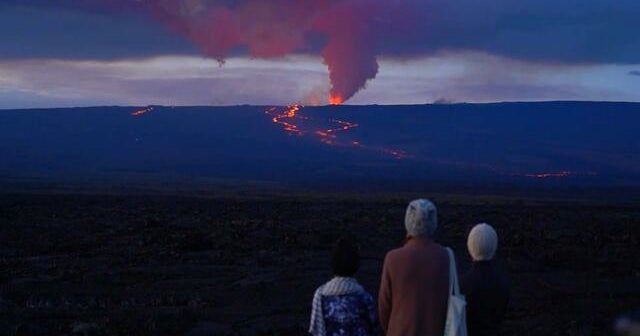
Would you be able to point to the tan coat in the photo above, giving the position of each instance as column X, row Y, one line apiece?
column 413, row 291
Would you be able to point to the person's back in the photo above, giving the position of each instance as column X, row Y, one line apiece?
column 415, row 282
column 342, row 306
column 414, row 288
column 347, row 310
column 486, row 289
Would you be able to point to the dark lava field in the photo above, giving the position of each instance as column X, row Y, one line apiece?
column 248, row 265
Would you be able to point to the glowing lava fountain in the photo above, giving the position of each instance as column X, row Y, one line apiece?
column 335, row 100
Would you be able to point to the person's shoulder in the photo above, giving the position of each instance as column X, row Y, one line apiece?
column 366, row 296
column 319, row 290
column 467, row 281
column 497, row 273
column 441, row 251
column 440, row 248
column 395, row 254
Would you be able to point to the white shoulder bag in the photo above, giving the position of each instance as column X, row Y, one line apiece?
column 456, row 311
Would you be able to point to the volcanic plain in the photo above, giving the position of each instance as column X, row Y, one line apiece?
column 248, row 264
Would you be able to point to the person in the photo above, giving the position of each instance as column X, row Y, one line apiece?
column 342, row 306
column 485, row 288
column 414, row 287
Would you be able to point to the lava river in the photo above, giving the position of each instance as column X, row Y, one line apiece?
column 291, row 120
column 142, row 111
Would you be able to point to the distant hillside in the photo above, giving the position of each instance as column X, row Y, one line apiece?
column 568, row 143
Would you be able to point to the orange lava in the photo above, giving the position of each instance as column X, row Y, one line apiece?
column 328, row 136
column 143, row 111
column 335, row 100
column 285, row 118
column 395, row 153
column 290, row 118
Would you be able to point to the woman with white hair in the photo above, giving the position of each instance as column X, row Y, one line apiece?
column 485, row 288
column 415, row 278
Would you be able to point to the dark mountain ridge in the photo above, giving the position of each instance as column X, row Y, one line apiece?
column 389, row 147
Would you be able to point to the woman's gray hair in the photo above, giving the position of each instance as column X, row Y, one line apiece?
column 421, row 218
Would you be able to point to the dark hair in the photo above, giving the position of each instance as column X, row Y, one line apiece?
column 344, row 257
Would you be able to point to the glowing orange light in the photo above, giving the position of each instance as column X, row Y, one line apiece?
column 143, row 111
column 335, row 100
column 394, row 153
column 289, row 119
column 327, row 136
column 289, row 114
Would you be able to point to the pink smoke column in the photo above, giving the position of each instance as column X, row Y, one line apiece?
column 350, row 52
column 275, row 28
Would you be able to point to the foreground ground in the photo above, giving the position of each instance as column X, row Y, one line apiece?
column 139, row 265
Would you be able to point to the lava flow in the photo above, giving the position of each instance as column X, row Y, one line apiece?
column 560, row 174
column 143, row 111
column 396, row 153
column 288, row 120
column 328, row 136
column 291, row 113
column 557, row 174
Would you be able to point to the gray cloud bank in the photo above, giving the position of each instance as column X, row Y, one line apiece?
column 189, row 80
column 569, row 31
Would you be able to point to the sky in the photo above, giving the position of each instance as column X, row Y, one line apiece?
column 227, row 52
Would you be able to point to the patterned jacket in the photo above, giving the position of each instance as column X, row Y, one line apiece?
column 342, row 307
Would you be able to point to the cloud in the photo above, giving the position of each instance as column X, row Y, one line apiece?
column 179, row 80
column 591, row 31
column 480, row 77
column 66, row 33
column 189, row 80
column 350, row 35
column 634, row 73
column 571, row 31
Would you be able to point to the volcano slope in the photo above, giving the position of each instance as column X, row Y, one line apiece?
column 557, row 143
column 248, row 265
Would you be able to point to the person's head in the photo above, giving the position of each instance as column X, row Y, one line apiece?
column 421, row 218
column 344, row 257
column 482, row 242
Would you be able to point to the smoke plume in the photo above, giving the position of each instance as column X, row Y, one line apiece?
column 343, row 31
column 351, row 35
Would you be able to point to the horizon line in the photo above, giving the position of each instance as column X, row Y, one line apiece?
column 327, row 105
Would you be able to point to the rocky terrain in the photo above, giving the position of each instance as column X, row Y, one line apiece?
column 248, row 265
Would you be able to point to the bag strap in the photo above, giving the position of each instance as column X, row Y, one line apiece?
column 454, row 287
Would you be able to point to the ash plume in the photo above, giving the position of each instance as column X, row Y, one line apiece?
column 343, row 32
column 352, row 35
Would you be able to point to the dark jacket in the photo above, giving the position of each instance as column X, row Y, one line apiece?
column 487, row 293
column 413, row 292
column 350, row 314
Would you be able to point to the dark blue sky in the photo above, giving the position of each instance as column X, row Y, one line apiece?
column 60, row 53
